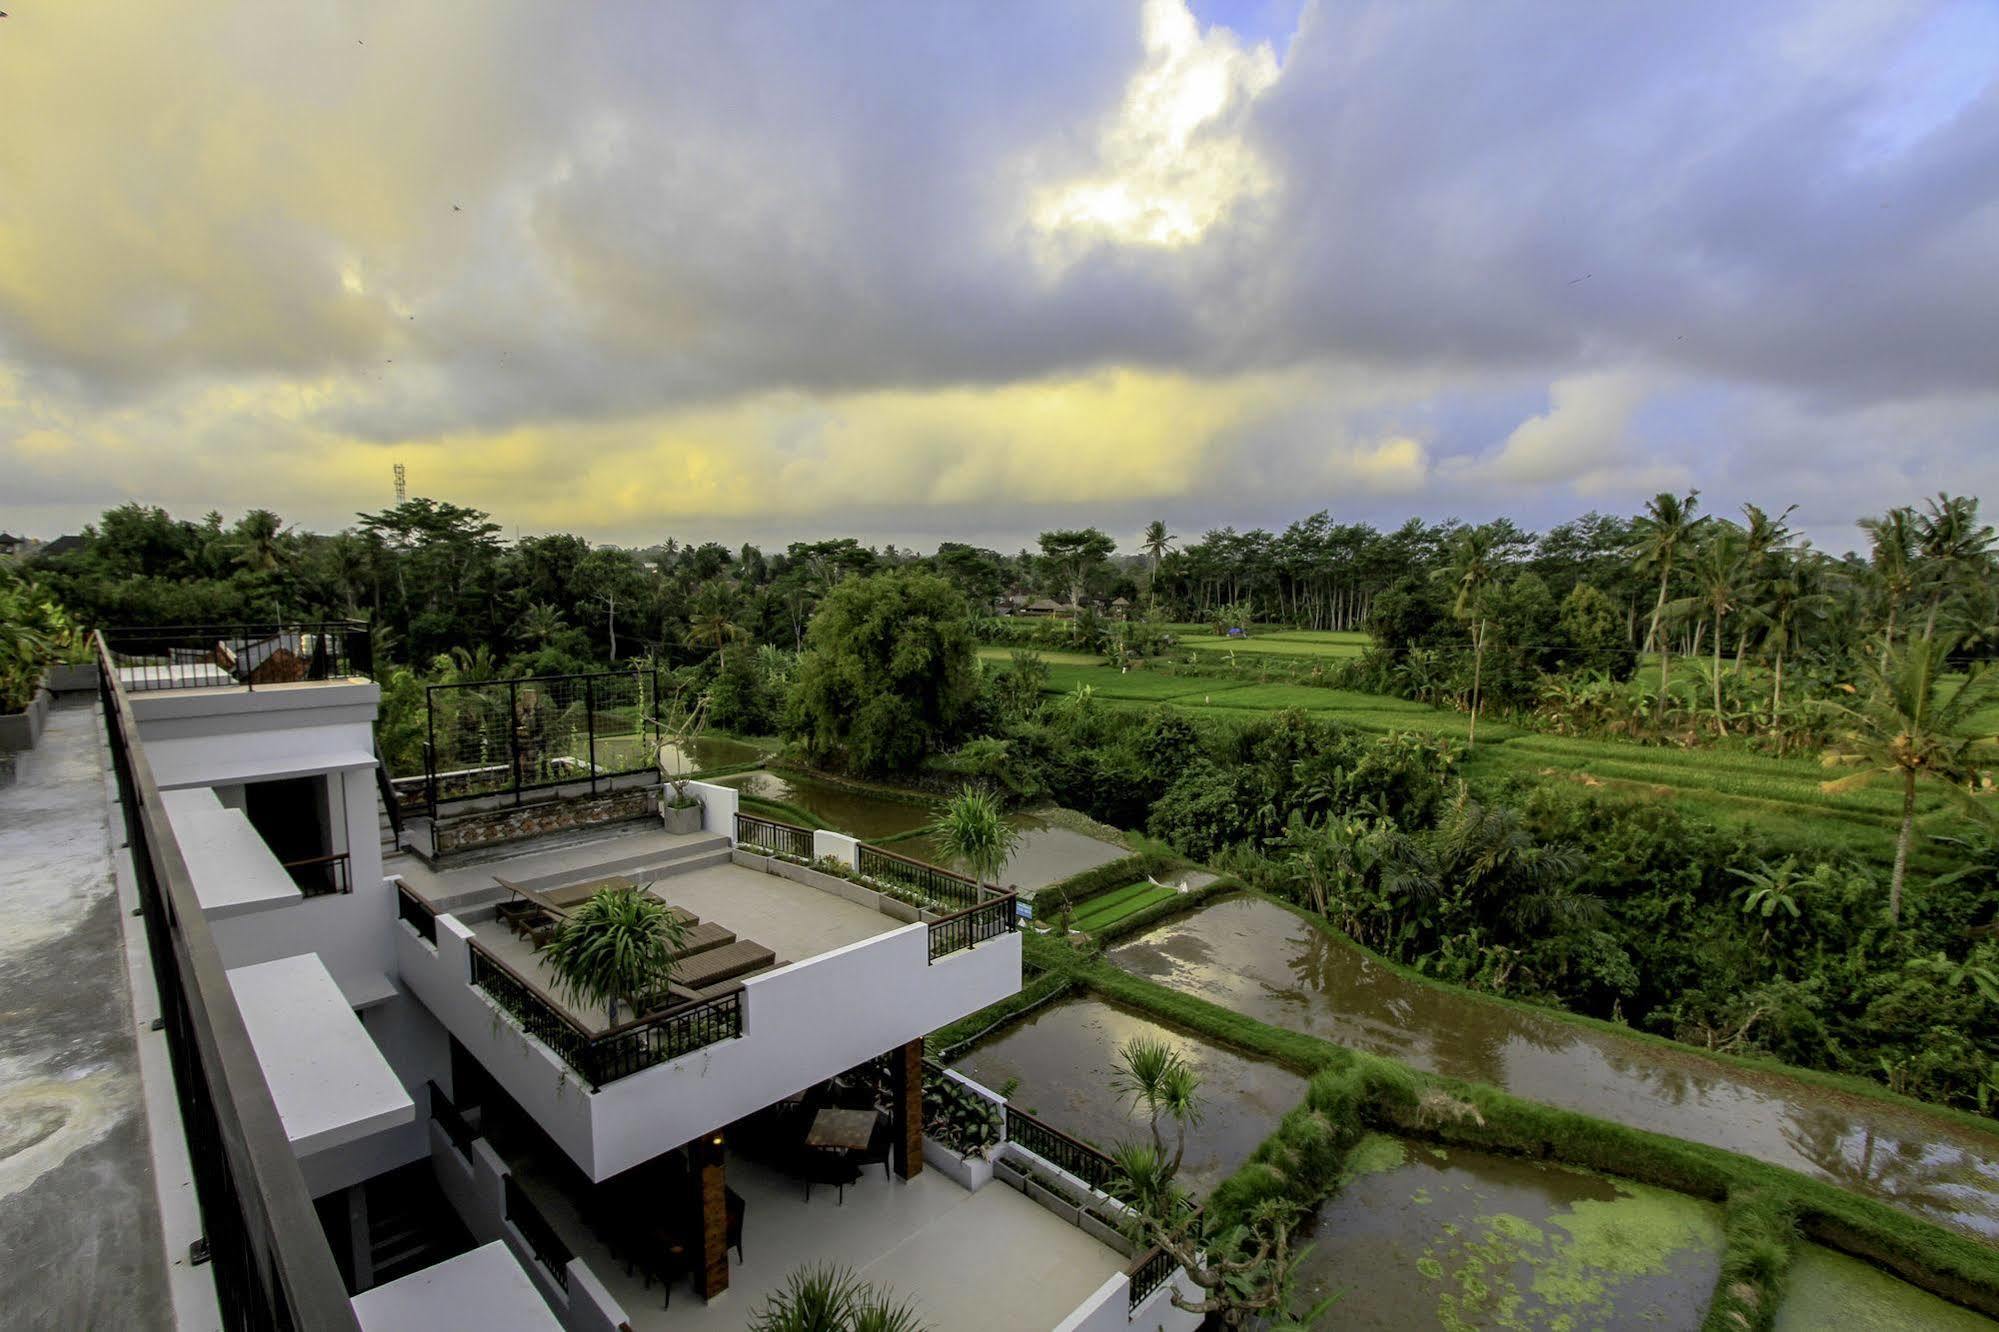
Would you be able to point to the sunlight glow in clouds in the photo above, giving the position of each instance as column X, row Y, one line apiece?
column 1173, row 160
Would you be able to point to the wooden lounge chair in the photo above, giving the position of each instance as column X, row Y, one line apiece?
column 721, row 964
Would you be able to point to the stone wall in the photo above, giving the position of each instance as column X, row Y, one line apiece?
column 516, row 823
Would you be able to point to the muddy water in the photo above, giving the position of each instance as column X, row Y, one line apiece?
column 1830, row 1292
column 1063, row 1055
column 682, row 758
column 1045, row 854
column 843, row 808
column 1254, row 957
column 1428, row 1237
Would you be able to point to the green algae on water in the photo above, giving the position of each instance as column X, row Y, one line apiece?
column 1830, row 1292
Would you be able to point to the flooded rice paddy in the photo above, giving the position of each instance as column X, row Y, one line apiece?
column 1422, row 1236
column 1830, row 1292
column 846, row 809
column 1063, row 1056
column 1254, row 957
column 1046, row 853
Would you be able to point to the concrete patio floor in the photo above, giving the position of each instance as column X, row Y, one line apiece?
column 79, row 1218
column 973, row 1261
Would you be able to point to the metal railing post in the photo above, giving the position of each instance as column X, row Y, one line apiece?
column 590, row 725
column 514, row 736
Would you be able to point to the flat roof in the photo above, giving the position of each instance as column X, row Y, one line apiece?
column 233, row 870
column 486, row 1288
column 329, row 1080
column 253, row 756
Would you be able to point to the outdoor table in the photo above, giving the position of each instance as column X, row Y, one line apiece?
column 841, row 1130
column 576, row 894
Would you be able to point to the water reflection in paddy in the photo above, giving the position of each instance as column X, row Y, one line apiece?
column 1046, row 853
column 1063, row 1056
column 1427, row 1237
column 1258, row 959
column 846, row 809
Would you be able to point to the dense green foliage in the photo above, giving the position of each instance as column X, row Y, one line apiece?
column 888, row 673
column 34, row 632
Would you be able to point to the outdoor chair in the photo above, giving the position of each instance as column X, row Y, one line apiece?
column 827, row 1167
column 880, row 1143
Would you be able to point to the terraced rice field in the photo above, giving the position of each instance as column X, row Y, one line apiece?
column 1331, row 644
column 1110, row 908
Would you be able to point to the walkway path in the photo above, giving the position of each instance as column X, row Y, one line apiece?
column 79, row 1221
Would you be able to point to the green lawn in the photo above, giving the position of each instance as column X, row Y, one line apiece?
column 1004, row 656
column 1277, row 643
column 1109, row 908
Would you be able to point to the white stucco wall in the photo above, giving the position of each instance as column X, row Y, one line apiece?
column 845, row 849
column 801, row 1024
column 718, row 807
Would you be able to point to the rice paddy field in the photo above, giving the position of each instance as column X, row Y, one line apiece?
column 1731, row 786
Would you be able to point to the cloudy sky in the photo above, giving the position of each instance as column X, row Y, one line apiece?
column 927, row 269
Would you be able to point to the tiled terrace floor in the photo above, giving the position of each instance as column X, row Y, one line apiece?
column 968, row 1261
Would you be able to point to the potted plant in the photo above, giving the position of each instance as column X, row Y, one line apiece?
column 679, row 810
column 32, row 628
column 620, row 944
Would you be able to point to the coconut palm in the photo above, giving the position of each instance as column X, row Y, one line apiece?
column 1892, row 565
column 619, row 943
column 974, row 831
column 539, row 623
column 1156, row 542
column 1474, row 563
column 1954, row 546
column 1659, row 537
column 1721, row 571
column 711, row 624
column 1792, row 598
column 1913, row 727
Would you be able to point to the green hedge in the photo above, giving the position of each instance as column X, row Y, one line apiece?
column 1047, row 988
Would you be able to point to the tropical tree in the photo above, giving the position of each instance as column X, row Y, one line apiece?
column 1721, row 571
column 1156, row 542
column 1658, row 538
column 620, row 943
column 1954, row 546
column 830, row 1299
column 711, row 625
column 1891, row 565
column 539, row 623
column 1914, row 727
column 1069, row 559
column 973, row 830
column 1474, row 562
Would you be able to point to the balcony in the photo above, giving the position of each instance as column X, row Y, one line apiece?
column 248, row 656
column 832, row 975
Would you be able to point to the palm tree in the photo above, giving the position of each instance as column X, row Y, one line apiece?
column 1658, row 536
column 1953, row 546
column 1721, row 570
column 1892, row 563
column 711, row 626
column 1912, row 726
column 620, row 943
column 829, row 1299
column 1474, row 561
column 1792, row 597
column 1155, row 543
column 974, row 831
column 1157, row 1079
column 539, row 623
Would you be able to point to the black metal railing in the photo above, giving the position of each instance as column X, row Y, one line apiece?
column 940, row 887
column 621, row 1051
column 451, row 1121
column 547, row 1247
column 316, row 876
column 421, row 915
column 249, row 655
column 973, row 926
column 1060, row 1150
column 487, row 739
column 1148, row 1272
column 774, row 838
column 271, row 1263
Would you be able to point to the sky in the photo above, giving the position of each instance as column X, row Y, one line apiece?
column 936, row 270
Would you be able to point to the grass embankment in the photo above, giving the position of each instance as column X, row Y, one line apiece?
column 1768, row 1210
column 783, row 811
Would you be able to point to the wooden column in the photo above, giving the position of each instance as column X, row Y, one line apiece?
column 907, row 1084
column 711, row 1272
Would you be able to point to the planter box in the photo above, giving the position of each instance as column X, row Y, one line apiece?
column 1008, row 1173
column 685, row 819
column 970, row 1174
column 73, row 677
column 20, row 730
column 1053, row 1201
column 1105, row 1233
column 901, row 910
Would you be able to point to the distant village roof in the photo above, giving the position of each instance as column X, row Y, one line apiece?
column 1046, row 605
column 1120, row 601
column 63, row 545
